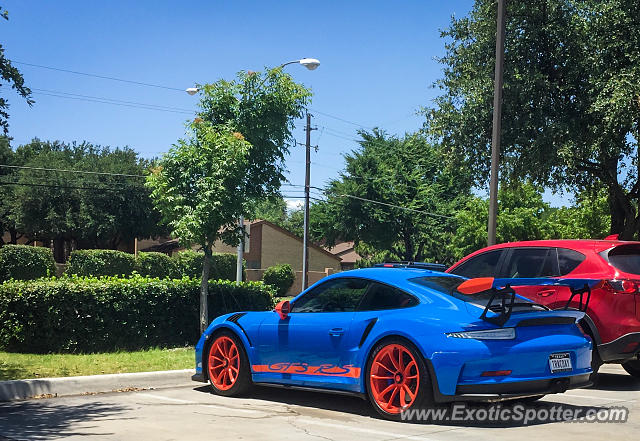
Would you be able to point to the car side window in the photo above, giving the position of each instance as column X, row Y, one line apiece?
column 482, row 265
column 568, row 260
column 336, row 295
column 381, row 296
column 532, row 262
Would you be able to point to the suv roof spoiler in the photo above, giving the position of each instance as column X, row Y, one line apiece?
column 407, row 264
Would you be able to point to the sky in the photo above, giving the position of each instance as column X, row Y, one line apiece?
column 378, row 62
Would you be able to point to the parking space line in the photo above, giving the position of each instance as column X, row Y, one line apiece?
column 594, row 398
column 177, row 400
column 393, row 435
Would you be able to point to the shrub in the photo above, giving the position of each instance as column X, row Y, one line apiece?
column 101, row 263
column 281, row 277
column 156, row 265
column 76, row 314
column 223, row 265
column 22, row 262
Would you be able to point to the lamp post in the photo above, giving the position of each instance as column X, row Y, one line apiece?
column 310, row 64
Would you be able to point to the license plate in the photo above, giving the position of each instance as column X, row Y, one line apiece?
column 560, row 362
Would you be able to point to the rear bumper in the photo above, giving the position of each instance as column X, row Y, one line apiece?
column 618, row 349
column 513, row 390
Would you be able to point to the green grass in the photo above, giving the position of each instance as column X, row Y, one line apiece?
column 15, row 366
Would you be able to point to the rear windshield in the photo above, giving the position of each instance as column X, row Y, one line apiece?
column 449, row 285
column 625, row 258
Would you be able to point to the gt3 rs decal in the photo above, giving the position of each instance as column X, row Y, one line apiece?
column 305, row 369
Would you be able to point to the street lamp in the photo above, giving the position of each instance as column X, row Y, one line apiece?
column 311, row 64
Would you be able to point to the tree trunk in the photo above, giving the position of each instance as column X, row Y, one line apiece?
column 58, row 250
column 14, row 236
column 204, row 289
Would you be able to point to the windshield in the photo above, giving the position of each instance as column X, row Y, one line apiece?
column 626, row 258
column 449, row 285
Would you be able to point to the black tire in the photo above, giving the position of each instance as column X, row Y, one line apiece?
column 424, row 393
column 596, row 364
column 242, row 382
column 632, row 367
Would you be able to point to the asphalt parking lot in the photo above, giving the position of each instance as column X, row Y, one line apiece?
column 192, row 413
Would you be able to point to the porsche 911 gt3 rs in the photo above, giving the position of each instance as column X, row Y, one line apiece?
column 403, row 337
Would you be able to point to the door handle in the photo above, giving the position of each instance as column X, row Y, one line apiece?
column 336, row 332
column 546, row 293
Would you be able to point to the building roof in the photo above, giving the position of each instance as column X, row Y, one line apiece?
column 293, row 236
column 346, row 252
column 173, row 244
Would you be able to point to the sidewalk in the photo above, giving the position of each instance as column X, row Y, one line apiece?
column 56, row 387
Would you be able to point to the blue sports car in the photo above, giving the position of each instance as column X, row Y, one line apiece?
column 403, row 337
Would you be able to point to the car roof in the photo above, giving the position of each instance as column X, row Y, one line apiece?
column 574, row 244
column 391, row 275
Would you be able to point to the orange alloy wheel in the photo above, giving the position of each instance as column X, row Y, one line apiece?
column 224, row 363
column 394, row 379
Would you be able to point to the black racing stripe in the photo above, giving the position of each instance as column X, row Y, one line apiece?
column 367, row 330
column 234, row 319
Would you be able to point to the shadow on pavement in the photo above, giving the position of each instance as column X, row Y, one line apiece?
column 351, row 405
column 616, row 382
column 40, row 420
column 319, row 400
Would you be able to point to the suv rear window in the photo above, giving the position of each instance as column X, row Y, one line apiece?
column 568, row 260
column 626, row 258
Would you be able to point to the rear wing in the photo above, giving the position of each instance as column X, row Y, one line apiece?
column 500, row 287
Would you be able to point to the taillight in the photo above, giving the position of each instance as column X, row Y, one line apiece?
column 623, row 286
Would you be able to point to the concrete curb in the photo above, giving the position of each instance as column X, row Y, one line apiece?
column 52, row 387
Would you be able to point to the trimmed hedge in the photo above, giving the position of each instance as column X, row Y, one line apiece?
column 74, row 314
column 223, row 265
column 101, row 263
column 158, row 265
column 281, row 277
column 22, row 262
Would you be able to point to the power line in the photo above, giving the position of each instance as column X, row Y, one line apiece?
column 108, row 101
column 68, row 187
column 71, row 171
column 104, row 77
column 395, row 206
column 341, row 119
column 142, row 83
column 115, row 100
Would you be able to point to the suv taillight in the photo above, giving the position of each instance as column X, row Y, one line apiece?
column 622, row 286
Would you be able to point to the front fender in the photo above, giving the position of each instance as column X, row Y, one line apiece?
column 220, row 323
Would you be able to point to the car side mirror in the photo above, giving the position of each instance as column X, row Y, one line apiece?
column 283, row 308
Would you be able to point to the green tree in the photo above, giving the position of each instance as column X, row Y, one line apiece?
column 571, row 97
column 91, row 211
column 262, row 106
column 523, row 216
column 407, row 172
column 273, row 209
column 10, row 75
column 200, row 186
column 587, row 218
column 7, row 203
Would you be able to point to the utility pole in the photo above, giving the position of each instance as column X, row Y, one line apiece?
column 305, row 239
column 496, row 131
column 240, row 251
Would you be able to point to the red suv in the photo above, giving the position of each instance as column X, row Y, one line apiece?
column 613, row 314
